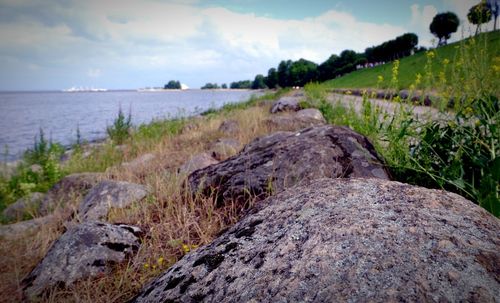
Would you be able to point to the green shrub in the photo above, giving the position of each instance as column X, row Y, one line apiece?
column 121, row 128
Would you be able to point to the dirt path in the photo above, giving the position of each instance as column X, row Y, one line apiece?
column 421, row 113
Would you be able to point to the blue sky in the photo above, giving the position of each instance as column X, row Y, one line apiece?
column 57, row 44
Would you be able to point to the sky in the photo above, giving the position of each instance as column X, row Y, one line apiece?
column 129, row 44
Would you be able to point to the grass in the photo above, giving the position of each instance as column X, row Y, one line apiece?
column 173, row 221
column 457, row 149
column 410, row 67
column 176, row 223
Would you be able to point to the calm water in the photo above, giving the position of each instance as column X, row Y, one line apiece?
column 59, row 114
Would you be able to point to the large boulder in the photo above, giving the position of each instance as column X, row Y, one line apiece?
column 66, row 188
column 87, row 250
column 109, row 194
column 271, row 163
column 339, row 240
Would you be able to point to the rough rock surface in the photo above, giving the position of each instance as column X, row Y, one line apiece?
column 338, row 240
column 85, row 251
column 230, row 127
column 294, row 121
column 67, row 186
column 282, row 159
column 108, row 194
column 23, row 206
column 225, row 148
column 287, row 103
column 196, row 162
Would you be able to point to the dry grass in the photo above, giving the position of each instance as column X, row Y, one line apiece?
column 174, row 222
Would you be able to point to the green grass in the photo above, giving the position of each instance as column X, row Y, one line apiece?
column 409, row 67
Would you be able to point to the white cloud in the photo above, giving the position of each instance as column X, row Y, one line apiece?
column 421, row 18
column 179, row 38
column 94, row 72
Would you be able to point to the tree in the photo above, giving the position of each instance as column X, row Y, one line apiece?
column 272, row 78
column 284, row 73
column 224, row 86
column 172, row 84
column 245, row 84
column 494, row 6
column 210, row 86
column 443, row 25
column 479, row 14
column 258, row 83
column 302, row 72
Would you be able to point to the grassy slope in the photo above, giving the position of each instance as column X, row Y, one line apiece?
column 409, row 67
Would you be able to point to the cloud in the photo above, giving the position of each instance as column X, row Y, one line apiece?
column 169, row 39
column 94, row 72
column 421, row 18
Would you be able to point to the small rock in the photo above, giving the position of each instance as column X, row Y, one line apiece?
column 230, row 127
column 63, row 190
column 294, row 122
column 310, row 114
column 87, row 250
column 16, row 230
column 197, row 162
column 27, row 205
column 338, row 240
column 225, row 148
column 288, row 103
column 139, row 162
column 272, row 163
column 109, row 194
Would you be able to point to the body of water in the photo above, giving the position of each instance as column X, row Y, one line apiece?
column 59, row 114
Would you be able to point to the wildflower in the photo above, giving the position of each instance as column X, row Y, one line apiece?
column 146, row 265
column 380, row 79
column 446, row 61
column 430, row 55
column 160, row 261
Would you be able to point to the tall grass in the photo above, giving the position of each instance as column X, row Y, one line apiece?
column 173, row 221
column 457, row 150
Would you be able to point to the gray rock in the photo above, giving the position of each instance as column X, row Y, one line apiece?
column 71, row 185
column 310, row 114
column 295, row 121
column 197, row 162
column 19, row 229
column 288, row 103
column 139, row 162
column 225, row 148
column 270, row 164
column 338, row 240
column 230, row 127
column 85, row 251
column 107, row 195
column 24, row 206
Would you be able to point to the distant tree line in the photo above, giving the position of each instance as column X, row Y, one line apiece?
column 298, row 73
column 394, row 49
column 173, row 84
